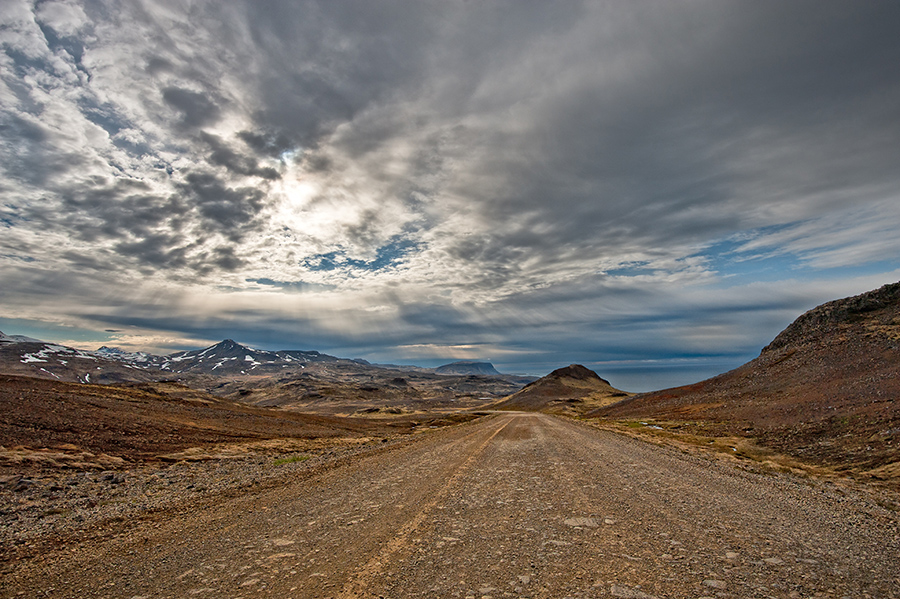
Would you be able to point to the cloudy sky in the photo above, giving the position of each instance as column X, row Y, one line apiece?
column 651, row 188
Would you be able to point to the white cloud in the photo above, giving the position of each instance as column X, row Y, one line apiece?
column 64, row 17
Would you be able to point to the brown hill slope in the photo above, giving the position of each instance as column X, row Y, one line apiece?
column 825, row 391
column 95, row 426
column 570, row 390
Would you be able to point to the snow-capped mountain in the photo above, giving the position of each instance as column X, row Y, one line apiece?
column 17, row 339
column 114, row 353
column 24, row 355
column 31, row 357
column 307, row 380
column 224, row 358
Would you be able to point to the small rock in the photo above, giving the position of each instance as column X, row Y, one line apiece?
column 715, row 584
column 112, row 478
column 774, row 561
column 627, row 593
column 586, row 522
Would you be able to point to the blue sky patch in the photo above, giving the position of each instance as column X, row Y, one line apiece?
column 387, row 256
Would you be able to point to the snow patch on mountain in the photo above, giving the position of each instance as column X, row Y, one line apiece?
column 49, row 352
column 121, row 355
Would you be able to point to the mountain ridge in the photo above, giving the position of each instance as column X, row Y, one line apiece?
column 4, row 338
column 295, row 379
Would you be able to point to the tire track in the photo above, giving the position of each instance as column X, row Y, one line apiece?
column 361, row 580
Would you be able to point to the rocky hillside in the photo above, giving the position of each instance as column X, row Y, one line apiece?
column 570, row 390
column 826, row 390
column 877, row 312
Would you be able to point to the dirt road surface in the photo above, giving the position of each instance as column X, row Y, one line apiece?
column 515, row 505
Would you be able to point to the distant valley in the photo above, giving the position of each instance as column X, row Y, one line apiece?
column 298, row 379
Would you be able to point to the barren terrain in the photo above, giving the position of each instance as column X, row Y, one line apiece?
column 48, row 425
column 513, row 505
column 824, row 392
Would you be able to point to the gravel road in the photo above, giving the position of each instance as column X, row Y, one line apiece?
column 515, row 505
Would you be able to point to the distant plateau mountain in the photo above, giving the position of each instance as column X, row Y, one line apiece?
column 468, row 367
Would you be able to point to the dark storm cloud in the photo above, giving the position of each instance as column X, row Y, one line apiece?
column 231, row 210
column 719, row 96
column 126, row 207
column 151, row 229
column 81, row 262
column 27, row 131
column 157, row 65
column 236, row 162
column 266, row 144
column 25, row 153
column 141, row 226
column 196, row 108
column 158, row 250
column 327, row 61
column 226, row 259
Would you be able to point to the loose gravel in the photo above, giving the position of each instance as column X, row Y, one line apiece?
column 517, row 505
column 49, row 508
